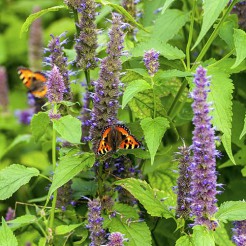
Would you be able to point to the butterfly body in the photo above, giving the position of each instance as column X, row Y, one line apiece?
column 116, row 137
column 34, row 81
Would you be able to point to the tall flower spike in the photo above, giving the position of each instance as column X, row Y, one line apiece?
column 86, row 117
column 203, row 184
column 4, row 100
column 239, row 233
column 151, row 61
column 97, row 233
column 107, row 86
column 57, row 57
column 35, row 51
column 86, row 41
column 184, row 180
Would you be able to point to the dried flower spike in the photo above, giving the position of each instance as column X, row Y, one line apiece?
column 151, row 61
column 203, row 184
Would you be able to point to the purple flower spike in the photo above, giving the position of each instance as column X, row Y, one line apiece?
column 86, row 42
column 203, row 183
column 73, row 3
column 107, row 87
column 239, row 233
column 97, row 233
column 116, row 239
column 183, row 203
column 151, row 62
column 55, row 86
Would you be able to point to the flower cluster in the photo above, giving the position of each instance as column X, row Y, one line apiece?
column 116, row 239
column 35, row 51
column 184, row 180
column 151, row 61
column 239, row 233
column 203, row 181
column 10, row 215
column 4, row 101
column 107, row 86
column 86, row 41
column 57, row 58
column 97, row 233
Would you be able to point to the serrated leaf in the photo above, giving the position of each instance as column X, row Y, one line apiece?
column 222, row 104
column 22, row 221
column 239, row 37
column 132, row 89
column 153, row 200
column 221, row 236
column 231, row 211
column 69, row 128
column 154, row 130
column 169, row 24
column 31, row 18
column 166, row 5
column 39, row 124
column 184, row 241
column 17, row 140
column 244, row 129
column 64, row 229
column 68, row 167
column 13, row 177
column 172, row 73
column 212, row 10
column 7, row 238
column 136, row 232
column 202, row 236
column 122, row 11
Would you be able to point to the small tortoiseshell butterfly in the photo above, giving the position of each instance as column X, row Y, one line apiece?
column 34, row 81
column 116, row 137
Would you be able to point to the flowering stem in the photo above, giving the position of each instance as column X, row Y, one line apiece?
column 87, row 77
column 154, row 98
column 76, row 19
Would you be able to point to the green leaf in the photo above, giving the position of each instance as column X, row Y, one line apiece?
column 169, row 24
column 166, row 5
column 222, row 104
column 172, row 73
column 31, row 18
column 132, row 89
column 136, row 232
column 69, row 128
column 7, row 238
column 244, row 129
column 240, row 43
column 202, row 236
column 39, row 125
column 22, row 221
column 221, row 236
column 17, row 140
column 13, row 177
column 212, row 10
column 122, row 11
column 154, row 130
column 153, row 200
column 68, row 167
column 64, row 229
column 232, row 210
column 184, row 241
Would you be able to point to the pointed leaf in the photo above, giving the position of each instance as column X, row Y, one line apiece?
column 231, row 211
column 166, row 5
column 68, row 167
column 244, row 129
column 69, row 128
column 64, row 229
column 13, row 177
column 39, row 125
column 154, row 130
column 184, row 241
column 221, row 236
column 7, row 238
column 240, row 44
column 22, row 221
column 153, row 200
column 132, row 89
column 212, row 10
column 202, row 236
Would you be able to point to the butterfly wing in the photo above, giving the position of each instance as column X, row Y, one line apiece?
column 34, row 81
column 104, row 145
column 128, row 140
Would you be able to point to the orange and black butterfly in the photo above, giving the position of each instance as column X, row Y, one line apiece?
column 35, row 82
column 116, row 137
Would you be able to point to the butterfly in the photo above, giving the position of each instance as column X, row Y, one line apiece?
column 116, row 137
column 34, row 81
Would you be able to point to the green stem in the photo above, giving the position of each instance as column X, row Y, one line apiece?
column 154, row 98
column 76, row 20
column 100, row 179
column 87, row 77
